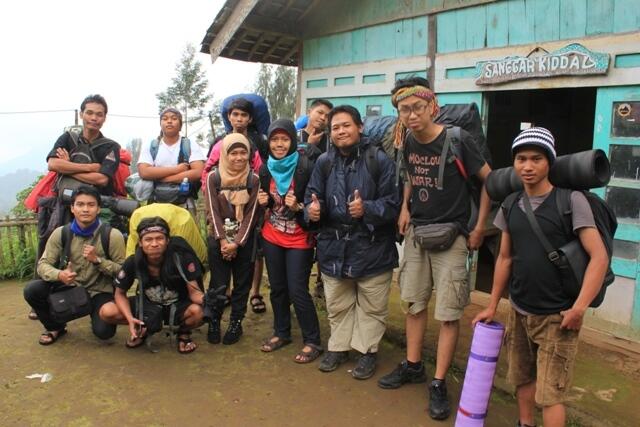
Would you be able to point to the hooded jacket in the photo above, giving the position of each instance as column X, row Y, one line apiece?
column 349, row 247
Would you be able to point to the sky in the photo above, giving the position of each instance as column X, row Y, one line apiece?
column 54, row 53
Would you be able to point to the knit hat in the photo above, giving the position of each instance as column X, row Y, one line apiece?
column 174, row 111
column 538, row 137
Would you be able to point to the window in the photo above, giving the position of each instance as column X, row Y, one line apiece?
column 626, row 119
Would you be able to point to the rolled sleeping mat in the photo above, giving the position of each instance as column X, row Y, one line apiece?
column 579, row 171
column 478, row 380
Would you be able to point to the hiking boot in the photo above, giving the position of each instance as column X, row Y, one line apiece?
column 234, row 332
column 439, row 408
column 332, row 360
column 401, row 375
column 366, row 366
column 213, row 333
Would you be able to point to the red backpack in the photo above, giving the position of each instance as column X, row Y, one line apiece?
column 122, row 173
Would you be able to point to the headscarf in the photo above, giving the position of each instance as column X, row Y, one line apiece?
column 282, row 170
column 422, row 92
column 234, row 181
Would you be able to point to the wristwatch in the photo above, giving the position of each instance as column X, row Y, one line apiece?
column 98, row 261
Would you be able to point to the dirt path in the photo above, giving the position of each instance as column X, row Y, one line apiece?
column 103, row 384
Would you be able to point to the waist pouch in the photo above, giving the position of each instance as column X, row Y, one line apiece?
column 436, row 237
column 167, row 192
column 69, row 304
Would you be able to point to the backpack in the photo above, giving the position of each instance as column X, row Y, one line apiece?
column 67, row 236
column 604, row 218
column 217, row 181
column 261, row 118
column 122, row 173
column 381, row 132
column 183, row 157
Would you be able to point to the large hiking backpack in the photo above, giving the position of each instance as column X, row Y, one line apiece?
column 381, row 132
column 122, row 173
column 261, row 117
column 604, row 218
column 467, row 117
column 180, row 221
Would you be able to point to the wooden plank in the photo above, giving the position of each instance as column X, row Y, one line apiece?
column 358, row 46
column 626, row 16
column 380, row 42
column 447, row 32
column 476, row 25
column 431, row 50
column 573, row 18
column 403, row 38
column 599, row 16
column 498, row 24
column 231, row 25
column 420, row 36
column 546, row 20
column 461, row 33
column 310, row 54
column 521, row 22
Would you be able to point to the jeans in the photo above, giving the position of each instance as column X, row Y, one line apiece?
column 289, row 271
column 36, row 293
column 241, row 267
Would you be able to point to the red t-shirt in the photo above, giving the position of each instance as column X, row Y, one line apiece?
column 281, row 231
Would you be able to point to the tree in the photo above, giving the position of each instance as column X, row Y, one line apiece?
column 19, row 210
column 277, row 84
column 188, row 89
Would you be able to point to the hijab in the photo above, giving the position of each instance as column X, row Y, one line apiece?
column 234, row 183
column 282, row 170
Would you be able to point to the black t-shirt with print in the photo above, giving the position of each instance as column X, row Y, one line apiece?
column 170, row 283
column 422, row 162
column 108, row 155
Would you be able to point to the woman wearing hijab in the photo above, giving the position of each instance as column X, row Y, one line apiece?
column 287, row 245
column 232, row 212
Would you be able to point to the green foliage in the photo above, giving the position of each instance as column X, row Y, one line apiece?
column 23, row 267
column 188, row 89
column 277, row 84
column 19, row 210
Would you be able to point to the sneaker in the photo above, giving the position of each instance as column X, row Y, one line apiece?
column 213, row 333
column 401, row 375
column 332, row 360
column 366, row 366
column 439, row 408
column 234, row 332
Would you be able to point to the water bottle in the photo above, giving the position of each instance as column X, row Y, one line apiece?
column 185, row 187
column 230, row 229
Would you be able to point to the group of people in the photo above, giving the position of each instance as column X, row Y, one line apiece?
column 329, row 194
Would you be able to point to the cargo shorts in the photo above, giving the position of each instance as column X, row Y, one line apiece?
column 539, row 350
column 422, row 270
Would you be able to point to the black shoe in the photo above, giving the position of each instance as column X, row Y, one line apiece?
column 401, row 375
column 439, row 408
column 213, row 333
column 366, row 366
column 332, row 360
column 234, row 332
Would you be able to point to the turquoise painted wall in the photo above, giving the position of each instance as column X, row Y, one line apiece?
column 399, row 39
column 513, row 22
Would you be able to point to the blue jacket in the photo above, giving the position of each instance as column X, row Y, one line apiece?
column 347, row 247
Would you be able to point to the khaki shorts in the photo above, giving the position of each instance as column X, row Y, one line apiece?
column 421, row 270
column 538, row 350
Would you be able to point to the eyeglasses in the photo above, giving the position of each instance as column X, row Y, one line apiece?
column 418, row 109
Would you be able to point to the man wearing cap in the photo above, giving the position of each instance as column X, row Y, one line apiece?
column 169, row 159
column 544, row 323
column 440, row 199
column 170, row 278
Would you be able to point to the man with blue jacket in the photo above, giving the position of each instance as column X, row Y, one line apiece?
column 353, row 199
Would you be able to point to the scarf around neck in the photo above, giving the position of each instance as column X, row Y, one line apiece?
column 282, row 171
column 84, row 232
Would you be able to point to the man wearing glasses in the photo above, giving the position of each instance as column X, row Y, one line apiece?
column 434, row 197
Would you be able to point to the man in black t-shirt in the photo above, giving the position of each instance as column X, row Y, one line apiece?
column 170, row 277
column 442, row 198
column 105, row 158
column 315, row 133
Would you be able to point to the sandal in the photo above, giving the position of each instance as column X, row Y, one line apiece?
column 257, row 304
column 188, row 346
column 51, row 336
column 270, row 345
column 136, row 342
column 309, row 356
column 32, row 315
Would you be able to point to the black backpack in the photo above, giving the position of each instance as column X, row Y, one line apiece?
column 604, row 218
column 217, row 182
column 67, row 235
column 301, row 176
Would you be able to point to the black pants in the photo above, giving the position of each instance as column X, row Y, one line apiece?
column 36, row 293
column 156, row 315
column 241, row 267
column 289, row 271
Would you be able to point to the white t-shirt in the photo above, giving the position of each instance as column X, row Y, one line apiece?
column 168, row 154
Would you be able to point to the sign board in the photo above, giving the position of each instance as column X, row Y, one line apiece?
column 571, row 60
